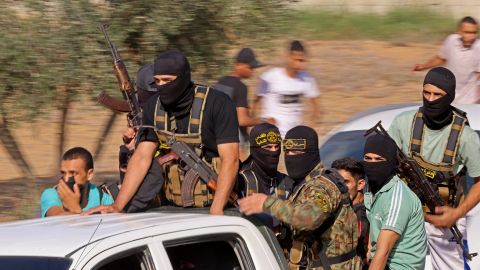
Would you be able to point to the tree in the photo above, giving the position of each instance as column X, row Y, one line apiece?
column 52, row 53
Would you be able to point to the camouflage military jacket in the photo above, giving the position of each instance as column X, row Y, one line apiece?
column 309, row 207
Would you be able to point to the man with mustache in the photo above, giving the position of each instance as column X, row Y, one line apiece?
column 77, row 164
column 461, row 54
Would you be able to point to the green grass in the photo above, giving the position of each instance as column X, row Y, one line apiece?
column 402, row 24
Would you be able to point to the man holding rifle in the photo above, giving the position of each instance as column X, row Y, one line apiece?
column 203, row 118
column 438, row 138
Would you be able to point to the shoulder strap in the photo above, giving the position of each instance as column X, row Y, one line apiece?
column 338, row 180
column 251, row 181
column 198, row 106
column 160, row 116
column 417, row 133
column 100, row 193
column 284, row 187
column 196, row 113
column 458, row 123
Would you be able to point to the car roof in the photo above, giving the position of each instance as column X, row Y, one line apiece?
column 386, row 114
column 62, row 235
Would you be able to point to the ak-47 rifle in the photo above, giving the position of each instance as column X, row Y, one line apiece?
column 194, row 163
column 126, row 85
column 419, row 184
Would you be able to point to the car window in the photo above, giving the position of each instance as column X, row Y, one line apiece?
column 135, row 259
column 34, row 263
column 343, row 144
column 225, row 251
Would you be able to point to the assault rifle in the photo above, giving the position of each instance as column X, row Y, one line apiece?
column 192, row 162
column 419, row 184
column 126, row 85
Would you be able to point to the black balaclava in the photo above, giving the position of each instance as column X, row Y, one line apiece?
column 145, row 82
column 266, row 160
column 379, row 173
column 438, row 114
column 177, row 95
column 301, row 138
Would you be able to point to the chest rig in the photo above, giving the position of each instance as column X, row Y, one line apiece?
column 441, row 175
column 179, row 178
column 251, row 180
column 308, row 250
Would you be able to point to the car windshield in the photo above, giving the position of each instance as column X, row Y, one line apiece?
column 343, row 144
column 34, row 263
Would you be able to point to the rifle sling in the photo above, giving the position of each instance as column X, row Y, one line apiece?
column 458, row 123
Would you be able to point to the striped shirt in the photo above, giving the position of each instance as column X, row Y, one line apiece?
column 396, row 208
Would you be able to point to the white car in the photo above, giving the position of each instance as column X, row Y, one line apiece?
column 348, row 140
column 146, row 241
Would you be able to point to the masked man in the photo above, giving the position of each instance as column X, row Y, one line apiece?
column 258, row 173
column 438, row 138
column 397, row 234
column 323, row 222
column 203, row 118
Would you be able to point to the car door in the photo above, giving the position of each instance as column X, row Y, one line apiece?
column 222, row 247
column 114, row 253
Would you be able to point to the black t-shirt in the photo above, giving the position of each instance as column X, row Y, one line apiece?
column 219, row 125
column 238, row 91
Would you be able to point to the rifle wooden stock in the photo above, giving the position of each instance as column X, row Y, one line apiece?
column 420, row 185
column 170, row 156
column 112, row 103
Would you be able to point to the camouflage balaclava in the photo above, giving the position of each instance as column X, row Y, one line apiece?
column 301, row 138
column 261, row 135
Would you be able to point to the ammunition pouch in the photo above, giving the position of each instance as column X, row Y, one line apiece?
column 298, row 256
column 183, row 187
column 301, row 257
column 251, row 184
column 441, row 175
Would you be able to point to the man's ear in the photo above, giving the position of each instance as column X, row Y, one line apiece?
column 360, row 184
column 90, row 175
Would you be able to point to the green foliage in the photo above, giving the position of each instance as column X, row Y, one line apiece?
column 52, row 52
column 404, row 24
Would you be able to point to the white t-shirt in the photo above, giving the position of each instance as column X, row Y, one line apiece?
column 465, row 64
column 282, row 95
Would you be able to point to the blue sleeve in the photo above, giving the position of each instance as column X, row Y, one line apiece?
column 107, row 199
column 262, row 89
column 49, row 199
